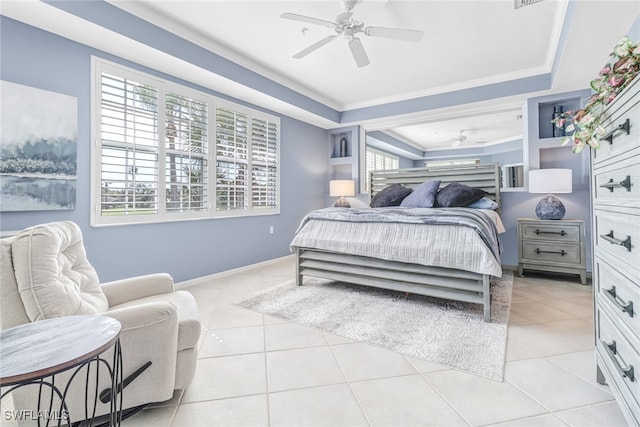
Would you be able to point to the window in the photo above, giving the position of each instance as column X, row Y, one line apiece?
column 378, row 160
column 157, row 159
column 438, row 163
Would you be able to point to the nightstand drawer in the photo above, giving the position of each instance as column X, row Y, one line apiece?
column 539, row 251
column 618, row 296
column 556, row 232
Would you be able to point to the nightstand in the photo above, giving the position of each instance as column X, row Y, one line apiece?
column 552, row 245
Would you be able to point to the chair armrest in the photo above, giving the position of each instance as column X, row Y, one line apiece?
column 144, row 315
column 125, row 290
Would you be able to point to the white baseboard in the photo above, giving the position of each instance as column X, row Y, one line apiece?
column 200, row 280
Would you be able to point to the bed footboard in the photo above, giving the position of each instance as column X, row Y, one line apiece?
column 437, row 282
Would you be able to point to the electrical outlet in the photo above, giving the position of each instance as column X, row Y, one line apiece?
column 271, row 229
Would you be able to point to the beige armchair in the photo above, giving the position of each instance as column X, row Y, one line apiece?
column 45, row 273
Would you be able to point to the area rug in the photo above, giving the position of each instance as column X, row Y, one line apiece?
column 445, row 332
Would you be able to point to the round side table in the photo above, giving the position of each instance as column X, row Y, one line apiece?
column 34, row 353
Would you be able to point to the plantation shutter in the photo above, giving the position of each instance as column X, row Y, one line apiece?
column 232, row 146
column 264, row 163
column 377, row 160
column 186, row 150
column 129, row 147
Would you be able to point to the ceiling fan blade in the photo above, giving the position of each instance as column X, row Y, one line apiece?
column 358, row 52
column 316, row 45
column 395, row 33
column 308, row 19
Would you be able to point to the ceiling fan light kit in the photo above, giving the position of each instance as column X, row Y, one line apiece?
column 348, row 27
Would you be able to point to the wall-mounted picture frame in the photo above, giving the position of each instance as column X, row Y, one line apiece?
column 38, row 149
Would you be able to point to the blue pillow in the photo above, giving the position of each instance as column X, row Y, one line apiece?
column 423, row 195
column 484, row 203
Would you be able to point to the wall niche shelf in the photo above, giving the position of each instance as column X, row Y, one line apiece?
column 547, row 111
column 344, row 154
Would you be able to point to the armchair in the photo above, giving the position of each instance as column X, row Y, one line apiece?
column 45, row 273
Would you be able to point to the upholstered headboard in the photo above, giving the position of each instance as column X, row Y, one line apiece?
column 485, row 176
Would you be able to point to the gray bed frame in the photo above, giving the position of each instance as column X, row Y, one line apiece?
column 448, row 283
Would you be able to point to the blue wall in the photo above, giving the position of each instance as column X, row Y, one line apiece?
column 186, row 249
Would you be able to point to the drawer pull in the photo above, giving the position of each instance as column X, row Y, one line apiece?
column 562, row 252
column 561, row 232
column 626, row 183
column 625, row 372
column 626, row 127
column 625, row 307
column 609, row 238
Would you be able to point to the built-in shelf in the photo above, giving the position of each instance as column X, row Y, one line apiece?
column 344, row 155
column 546, row 111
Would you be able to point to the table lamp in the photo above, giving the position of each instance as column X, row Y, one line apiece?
column 550, row 181
column 342, row 188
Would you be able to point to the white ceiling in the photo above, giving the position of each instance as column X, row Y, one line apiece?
column 467, row 44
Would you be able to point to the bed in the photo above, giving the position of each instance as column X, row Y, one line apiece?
column 446, row 253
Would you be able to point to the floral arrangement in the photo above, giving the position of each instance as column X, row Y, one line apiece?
column 584, row 127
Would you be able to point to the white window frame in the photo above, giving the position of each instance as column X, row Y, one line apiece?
column 386, row 157
column 98, row 66
column 441, row 163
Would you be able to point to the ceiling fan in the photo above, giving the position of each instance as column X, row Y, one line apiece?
column 461, row 139
column 348, row 27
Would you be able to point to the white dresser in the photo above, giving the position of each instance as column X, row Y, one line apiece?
column 616, row 245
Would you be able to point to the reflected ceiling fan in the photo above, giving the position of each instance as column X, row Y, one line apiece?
column 348, row 27
column 461, row 139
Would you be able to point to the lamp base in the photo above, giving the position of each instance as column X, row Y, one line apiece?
column 550, row 207
column 342, row 203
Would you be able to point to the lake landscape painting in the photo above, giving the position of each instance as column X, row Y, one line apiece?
column 38, row 149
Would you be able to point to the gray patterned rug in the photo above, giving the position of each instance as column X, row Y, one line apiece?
column 446, row 332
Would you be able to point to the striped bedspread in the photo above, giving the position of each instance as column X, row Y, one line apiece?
column 459, row 238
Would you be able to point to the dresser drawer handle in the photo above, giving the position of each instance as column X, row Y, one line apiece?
column 562, row 252
column 625, row 372
column 561, row 232
column 609, row 238
column 626, row 307
column 626, row 127
column 626, row 183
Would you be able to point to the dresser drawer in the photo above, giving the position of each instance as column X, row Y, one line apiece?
column 550, row 252
column 618, row 184
column 618, row 296
column 621, row 142
column 617, row 235
column 620, row 358
column 560, row 232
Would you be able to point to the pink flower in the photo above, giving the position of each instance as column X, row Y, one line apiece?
column 605, row 70
column 616, row 81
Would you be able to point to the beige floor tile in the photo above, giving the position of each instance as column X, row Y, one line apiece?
column 272, row 320
column 230, row 376
column 337, row 339
column 249, row 411
column 227, row 342
column 300, row 368
column 404, row 401
column 553, row 338
column 541, row 421
column 235, row 318
column 517, row 351
column 606, row 414
column 482, row 401
column 284, row 336
column 582, row 364
column 332, row 405
column 537, row 312
column 424, row 366
column 364, row 362
column 552, row 386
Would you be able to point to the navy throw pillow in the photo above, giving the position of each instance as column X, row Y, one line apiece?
column 458, row 195
column 390, row 196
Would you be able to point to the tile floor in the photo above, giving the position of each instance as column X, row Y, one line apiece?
column 257, row 370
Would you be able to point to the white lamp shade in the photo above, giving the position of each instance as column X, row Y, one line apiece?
column 550, row 181
column 342, row 188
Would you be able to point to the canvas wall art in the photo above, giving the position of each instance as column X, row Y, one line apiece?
column 38, row 149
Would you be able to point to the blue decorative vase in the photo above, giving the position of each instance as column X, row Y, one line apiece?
column 550, row 207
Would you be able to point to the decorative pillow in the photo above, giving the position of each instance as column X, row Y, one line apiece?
column 52, row 272
column 390, row 196
column 484, row 203
column 423, row 195
column 458, row 195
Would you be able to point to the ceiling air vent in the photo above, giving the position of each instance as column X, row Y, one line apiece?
column 522, row 3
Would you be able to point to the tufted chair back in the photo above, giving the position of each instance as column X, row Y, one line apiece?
column 53, row 274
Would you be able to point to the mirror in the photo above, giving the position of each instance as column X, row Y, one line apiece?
column 513, row 176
